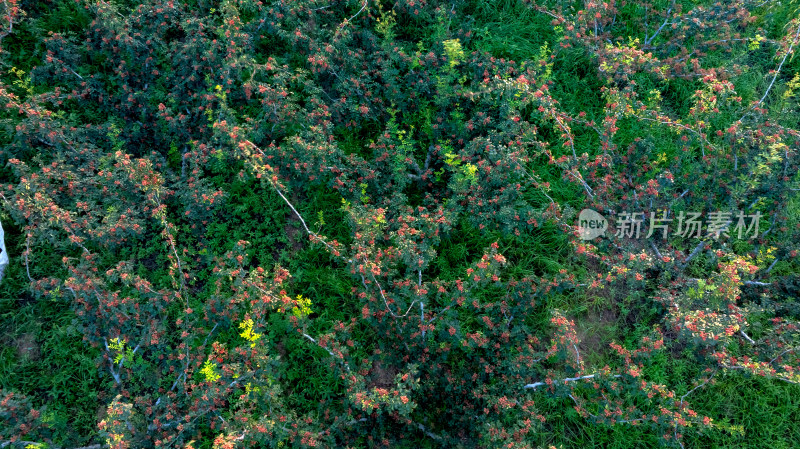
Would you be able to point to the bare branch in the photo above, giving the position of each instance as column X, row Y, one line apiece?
column 777, row 72
column 568, row 379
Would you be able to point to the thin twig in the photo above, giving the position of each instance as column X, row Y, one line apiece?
column 777, row 72
column 346, row 367
column 747, row 337
column 568, row 379
column 694, row 253
column 647, row 41
column 27, row 250
column 684, row 397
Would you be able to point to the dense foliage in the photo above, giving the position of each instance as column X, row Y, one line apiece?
column 240, row 223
